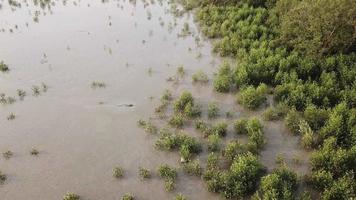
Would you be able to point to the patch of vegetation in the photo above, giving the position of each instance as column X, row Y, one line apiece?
column 97, row 84
column 224, row 81
column 147, row 126
column 11, row 116
column 4, row 67
column 127, row 196
column 232, row 150
column 251, row 97
column 71, row 196
column 275, row 113
column 200, row 77
column 213, row 110
column 3, row 177
column 169, row 174
column 214, row 142
column 180, row 197
column 7, row 154
column 193, row 168
column 118, row 172
column 144, row 173
column 34, row 151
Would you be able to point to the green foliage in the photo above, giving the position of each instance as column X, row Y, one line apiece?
column 240, row 126
column 232, row 150
column 320, row 27
column 128, row 196
column 3, row 177
column 144, row 173
column 180, row 197
column 176, row 121
column 292, row 121
column 251, row 97
column 118, row 172
column 212, row 161
column 224, row 79
column 167, row 172
column 71, row 196
column 200, row 77
column 213, row 110
column 280, row 184
column 193, row 168
column 275, row 113
column 185, row 99
column 148, row 126
column 214, row 142
column 4, row 67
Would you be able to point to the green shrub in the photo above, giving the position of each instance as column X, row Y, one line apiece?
column 281, row 184
column 169, row 185
column 193, row 168
column 251, row 97
column 176, row 121
column 4, row 67
column 118, row 172
column 3, row 177
column 213, row 110
column 292, row 121
column 147, row 126
column 214, row 142
column 71, row 196
column 144, row 173
column 232, row 150
column 212, row 161
column 166, row 172
column 307, row 134
column 180, row 197
column 7, row 154
column 219, row 129
column 185, row 99
column 275, row 113
column 128, row 196
column 200, row 77
column 240, row 126
column 223, row 80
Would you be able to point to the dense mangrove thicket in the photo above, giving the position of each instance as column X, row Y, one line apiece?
column 303, row 53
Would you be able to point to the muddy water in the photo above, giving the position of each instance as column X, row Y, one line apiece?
column 81, row 132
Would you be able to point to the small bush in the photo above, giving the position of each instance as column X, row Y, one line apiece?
column 224, row 80
column 7, row 154
column 213, row 110
column 180, row 71
column 147, row 126
column 272, row 114
column 4, row 67
column 240, row 126
column 128, row 196
column 118, row 172
column 71, row 196
column 97, row 84
column 166, row 172
column 169, row 185
column 220, row 129
column 34, row 152
column 193, row 168
column 214, row 142
column 180, row 197
column 176, row 121
column 144, row 173
column 232, row 150
column 3, row 177
column 185, row 99
column 200, row 77
column 251, row 97
column 11, row 116
column 212, row 161
column 292, row 121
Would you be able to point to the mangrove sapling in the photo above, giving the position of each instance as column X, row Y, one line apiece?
column 147, row 126
column 212, row 161
column 169, row 185
column 307, row 133
column 44, row 87
column 177, row 120
column 71, row 196
column 36, row 90
column 292, row 121
column 128, row 196
column 279, row 160
column 180, row 197
column 144, row 173
column 34, row 151
column 3, row 177
column 214, row 141
column 21, row 94
column 200, row 77
column 118, row 172
column 229, row 114
column 167, row 172
column 185, row 99
column 7, row 154
column 4, row 67
column 251, row 97
column 11, row 116
column 240, row 126
column 213, row 110
column 220, row 129
column 180, row 71
column 232, row 150
column 97, row 84
column 193, row 168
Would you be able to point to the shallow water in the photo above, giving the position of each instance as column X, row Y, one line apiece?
column 81, row 132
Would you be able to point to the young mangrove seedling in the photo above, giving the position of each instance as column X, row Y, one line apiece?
column 7, row 154
column 11, row 116
column 71, row 196
column 3, row 177
column 118, row 172
column 21, row 94
column 34, row 151
column 36, row 90
column 144, row 173
column 128, row 196
column 97, row 84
